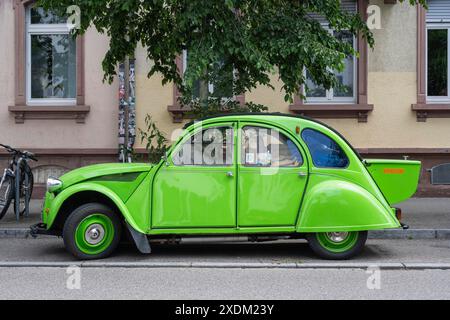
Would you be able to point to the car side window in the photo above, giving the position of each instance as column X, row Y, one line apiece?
column 208, row 147
column 325, row 152
column 266, row 147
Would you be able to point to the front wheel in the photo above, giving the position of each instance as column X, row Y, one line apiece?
column 337, row 245
column 6, row 194
column 92, row 231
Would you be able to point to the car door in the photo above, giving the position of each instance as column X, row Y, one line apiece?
column 197, row 186
column 272, row 176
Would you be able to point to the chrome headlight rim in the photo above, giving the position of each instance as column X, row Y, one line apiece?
column 53, row 184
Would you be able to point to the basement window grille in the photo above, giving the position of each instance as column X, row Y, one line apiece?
column 440, row 174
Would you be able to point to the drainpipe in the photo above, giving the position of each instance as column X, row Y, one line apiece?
column 126, row 109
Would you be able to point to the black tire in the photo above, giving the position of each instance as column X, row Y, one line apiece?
column 353, row 248
column 6, row 195
column 26, row 171
column 77, row 219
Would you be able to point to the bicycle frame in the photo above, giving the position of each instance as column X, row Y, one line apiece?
column 6, row 172
column 14, row 170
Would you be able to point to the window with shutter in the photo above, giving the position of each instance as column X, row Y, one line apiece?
column 438, row 11
column 349, row 100
column 437, row 51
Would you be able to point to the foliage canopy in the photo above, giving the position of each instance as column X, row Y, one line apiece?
column 253, row 38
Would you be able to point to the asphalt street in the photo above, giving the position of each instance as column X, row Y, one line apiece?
column 221, row 284
column 52, row 249
column 141, row 276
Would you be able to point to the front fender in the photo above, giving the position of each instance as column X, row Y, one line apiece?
column 339, row 205
column 58, row 201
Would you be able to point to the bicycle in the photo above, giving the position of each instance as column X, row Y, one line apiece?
column 17, row 182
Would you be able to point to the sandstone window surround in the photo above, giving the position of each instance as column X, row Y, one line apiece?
column 359, row 108
column 22, row 109
column 427, row 105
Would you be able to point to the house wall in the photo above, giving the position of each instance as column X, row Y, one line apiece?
column 60, row 144
column 100, row 128
column 152, row 98
column 392, row 130
column 391, row 89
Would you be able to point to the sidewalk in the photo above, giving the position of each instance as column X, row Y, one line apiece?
column 426, row 213
column 428, row 218
column 9, row 220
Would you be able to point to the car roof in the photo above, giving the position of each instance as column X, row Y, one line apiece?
column 277, row 114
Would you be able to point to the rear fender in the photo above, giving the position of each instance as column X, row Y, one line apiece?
column 340, row 205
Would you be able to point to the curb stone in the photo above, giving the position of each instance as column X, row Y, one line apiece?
column 424, row 266
column 443, row 234
column 413, row 234
column 221, row 265
column 404, row 234
column 15, row 233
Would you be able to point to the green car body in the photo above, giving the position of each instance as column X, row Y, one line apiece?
column 168, row 199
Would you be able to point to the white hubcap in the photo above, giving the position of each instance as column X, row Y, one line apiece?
column 337, row 236
column 94, row 234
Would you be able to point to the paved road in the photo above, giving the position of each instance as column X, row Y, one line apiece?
column 175, row 283
column 376, row 251
column 112, row 282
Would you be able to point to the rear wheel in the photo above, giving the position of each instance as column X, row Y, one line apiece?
column 6, row 194
column 337, row 245
column 92, row 231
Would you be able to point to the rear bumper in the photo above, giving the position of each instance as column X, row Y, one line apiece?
column 41, row 229
column 398, row 215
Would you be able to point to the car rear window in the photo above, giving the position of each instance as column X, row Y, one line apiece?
column 325, row 152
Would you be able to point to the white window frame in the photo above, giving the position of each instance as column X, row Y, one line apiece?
column 210, row 85
column 437, row 26
column 329, row 94
column 42, row 29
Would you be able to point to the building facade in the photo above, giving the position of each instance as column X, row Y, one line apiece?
column 397, row 102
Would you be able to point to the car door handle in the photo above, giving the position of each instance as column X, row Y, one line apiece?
column 229, row 174
column 302, row 174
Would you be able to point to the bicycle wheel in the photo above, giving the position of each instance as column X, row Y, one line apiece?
column 6, row 194
column 24, row 197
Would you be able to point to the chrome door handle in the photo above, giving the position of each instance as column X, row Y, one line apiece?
column 229, row 174
column 302, row 174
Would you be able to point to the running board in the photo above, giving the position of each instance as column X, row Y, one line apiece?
column 219, row 239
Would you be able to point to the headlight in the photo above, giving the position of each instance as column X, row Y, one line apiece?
column 53, row 184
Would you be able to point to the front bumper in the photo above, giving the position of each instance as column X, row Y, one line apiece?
column 41, row 229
